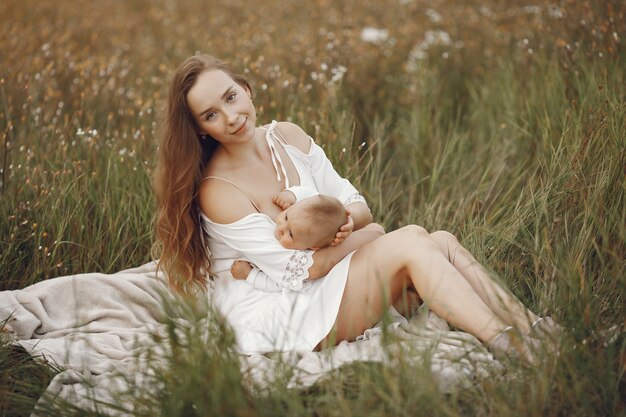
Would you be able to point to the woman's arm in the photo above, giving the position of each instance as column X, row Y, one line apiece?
column 361, row 214
column 327, row 180
column 325, row 259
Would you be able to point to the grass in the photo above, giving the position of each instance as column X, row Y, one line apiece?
column 510, row 134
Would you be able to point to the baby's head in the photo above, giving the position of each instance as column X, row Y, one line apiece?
column 311, row 223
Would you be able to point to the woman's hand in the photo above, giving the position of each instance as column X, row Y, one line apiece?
column 345, row 230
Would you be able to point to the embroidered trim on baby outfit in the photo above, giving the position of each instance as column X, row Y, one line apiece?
column 297, row 269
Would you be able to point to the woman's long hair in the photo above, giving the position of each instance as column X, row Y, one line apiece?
column 182, row 158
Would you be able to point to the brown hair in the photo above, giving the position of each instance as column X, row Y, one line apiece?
column 182, row 158
column 326, row 211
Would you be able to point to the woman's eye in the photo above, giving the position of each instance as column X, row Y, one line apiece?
column 231, row 97
column 210, row 116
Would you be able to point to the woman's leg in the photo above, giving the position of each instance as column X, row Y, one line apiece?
column 500, row 301
column 379, row 272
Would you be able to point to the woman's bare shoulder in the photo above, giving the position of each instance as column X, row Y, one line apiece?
column 222, row 202
column 295, row 136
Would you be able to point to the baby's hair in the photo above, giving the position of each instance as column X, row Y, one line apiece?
column 328, row 212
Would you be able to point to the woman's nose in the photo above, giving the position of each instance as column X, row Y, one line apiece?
column 231, row 117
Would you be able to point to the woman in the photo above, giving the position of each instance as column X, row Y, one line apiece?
column 218, row 172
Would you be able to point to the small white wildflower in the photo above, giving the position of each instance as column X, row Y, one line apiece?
column 532, row 9
column 337, row 73
column 486, row 11
column 433, row 37
column 417, row 54
column 433, row 15
column 555, row 12
column 374, row 35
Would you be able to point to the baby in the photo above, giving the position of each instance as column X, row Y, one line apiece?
column 308, row 221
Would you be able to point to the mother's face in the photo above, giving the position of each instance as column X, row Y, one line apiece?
column 222, row 108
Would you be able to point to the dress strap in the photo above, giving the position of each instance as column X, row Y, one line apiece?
column 276, row 160
column 256, row 207
column 277, row 133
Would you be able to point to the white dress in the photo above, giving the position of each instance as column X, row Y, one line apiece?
column 300, row 316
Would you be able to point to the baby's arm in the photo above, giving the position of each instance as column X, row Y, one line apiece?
column 254, row 276
column 288, row 197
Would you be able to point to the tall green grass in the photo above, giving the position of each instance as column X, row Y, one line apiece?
column 520, row 154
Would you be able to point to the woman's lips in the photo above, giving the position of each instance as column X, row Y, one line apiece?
column 240, row 129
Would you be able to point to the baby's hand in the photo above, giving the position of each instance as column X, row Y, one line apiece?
column 240, row 269
column 284, row 199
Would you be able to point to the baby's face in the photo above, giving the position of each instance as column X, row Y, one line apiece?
column 291, row 230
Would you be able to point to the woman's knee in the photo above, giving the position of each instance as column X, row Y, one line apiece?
column 413, row 230
column 414, row 241
column 445, row 238
column 448, row 243
column 411, row 238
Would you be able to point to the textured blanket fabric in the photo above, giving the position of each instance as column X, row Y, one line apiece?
column 97, row 326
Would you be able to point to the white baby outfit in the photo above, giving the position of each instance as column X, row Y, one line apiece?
column 302, row 314
column 259, row 279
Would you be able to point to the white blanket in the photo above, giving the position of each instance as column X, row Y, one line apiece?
column 96, row 326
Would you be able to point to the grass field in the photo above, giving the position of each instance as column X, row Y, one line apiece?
column 503, row 122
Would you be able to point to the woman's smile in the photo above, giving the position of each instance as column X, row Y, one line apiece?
column 241, row 128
